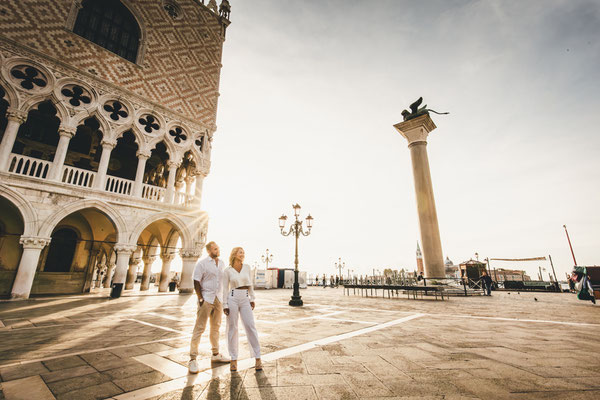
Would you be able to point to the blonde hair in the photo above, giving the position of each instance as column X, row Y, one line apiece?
column 209, row 245
column 233, row 254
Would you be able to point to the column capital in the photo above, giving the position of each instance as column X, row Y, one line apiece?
column 12, row 114
column 190, row 253
column 167, row 257
column 123, row 248
column 67, row 131
column 143, row 154
column 173, row 164
column 34, row 242
column 108, row 143
column 149, row 259
column 417, row 129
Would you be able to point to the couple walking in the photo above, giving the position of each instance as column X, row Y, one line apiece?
column 227, row 290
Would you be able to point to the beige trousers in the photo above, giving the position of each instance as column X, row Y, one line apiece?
column 206, row 311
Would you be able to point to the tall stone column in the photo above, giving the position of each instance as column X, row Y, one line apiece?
column 148, row 261
column 132, row 272
column 416, row 131
column 107, row 147
column 170, row 195
column 124, row 252
column 190, row 258
column 15, row 119
column 32, row 247
column 139, row 175
column 197, row 201
column 61, row 152
column 166, row 258
column 110, row 269
column 91, row 269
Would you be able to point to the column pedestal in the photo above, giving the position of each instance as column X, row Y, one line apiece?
column 190, row 258
column 32, row 247
column 416, row 131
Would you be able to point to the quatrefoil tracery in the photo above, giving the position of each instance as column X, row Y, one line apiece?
column 149, row 123
column 77, row 95
column 199, row 142
column 116, row 110
column 29, row 77
column 178, row 135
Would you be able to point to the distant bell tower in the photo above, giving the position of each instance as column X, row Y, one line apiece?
column 419, row 259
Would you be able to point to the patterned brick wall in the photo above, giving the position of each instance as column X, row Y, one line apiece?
column 182, row 60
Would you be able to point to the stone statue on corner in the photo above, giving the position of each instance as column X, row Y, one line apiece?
column 415, row 111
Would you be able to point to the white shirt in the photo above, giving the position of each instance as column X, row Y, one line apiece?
column 210, row 275
column 233, row 280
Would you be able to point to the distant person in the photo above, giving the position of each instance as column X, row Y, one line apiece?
column 331, row 281
column 324, row 281
column 421, row 277
column 486, row 281
column 174, row 282
column 208, row 278
column 337, row 281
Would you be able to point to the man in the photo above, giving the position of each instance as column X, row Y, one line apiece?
column 208, row 276
column 487, row 283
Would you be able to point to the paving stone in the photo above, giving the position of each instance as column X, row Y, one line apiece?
column 140, row 381
column 101, row 391
column 131, row 369
column 127, row 352
column 64, row 363
column 22, row 371
column 67, row 373
column 80, row 382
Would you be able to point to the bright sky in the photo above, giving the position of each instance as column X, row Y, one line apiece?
column 310, row 91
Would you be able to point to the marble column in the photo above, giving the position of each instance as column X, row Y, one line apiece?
column 124, row 252
column 109, row 273
column 170, row 194
column 139, row 175
column 132, row 272
column 148, row 260
column 32, row 248
column 61, row 152
column 197, row 200
column 164, row 272
column 190, row 258
column 416, row 132
column 15, row 119
column 107, row 147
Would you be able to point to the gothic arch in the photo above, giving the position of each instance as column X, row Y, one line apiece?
column 186, row 237
column 50, row 223
column 27, row 212
column 61, row 111
column 10, row 94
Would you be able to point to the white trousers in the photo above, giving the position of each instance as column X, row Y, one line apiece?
column 238, row 303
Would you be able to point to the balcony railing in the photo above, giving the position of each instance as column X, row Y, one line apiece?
column 34, row 167
column 78, row 177
column 29, row 166
column 118, row 185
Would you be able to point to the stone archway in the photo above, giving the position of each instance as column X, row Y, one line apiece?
column 12, row 227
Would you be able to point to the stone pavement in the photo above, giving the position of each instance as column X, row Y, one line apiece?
column 335, row 347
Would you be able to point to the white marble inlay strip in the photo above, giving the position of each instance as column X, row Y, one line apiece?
column 29, row 388
column 518, row 320
column 189, row 380
column 349, row 320
column 162, row 365
column 285, row 321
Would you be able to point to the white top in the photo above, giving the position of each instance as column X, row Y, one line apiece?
column 210, row 275
column 233, row 280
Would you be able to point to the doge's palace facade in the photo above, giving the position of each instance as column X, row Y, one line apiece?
column 107, row 113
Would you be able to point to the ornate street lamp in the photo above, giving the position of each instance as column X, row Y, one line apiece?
column 267, row 258
column 296, row 229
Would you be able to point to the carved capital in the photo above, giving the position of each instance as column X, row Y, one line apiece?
column 193, row 254
column 416, row 130
column 67, row 131
column 143, row 154
column 148, row 259
column 108, row 144
column 173, row 164
column 33, row 242
column 12, row 114
column 167, row 257
column 122, row 248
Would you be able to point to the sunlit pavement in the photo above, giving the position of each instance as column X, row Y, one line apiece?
column 509, row 345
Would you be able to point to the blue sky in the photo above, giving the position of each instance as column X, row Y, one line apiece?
column 309, row 94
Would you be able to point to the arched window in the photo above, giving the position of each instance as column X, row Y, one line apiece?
column 38, row 136
column 111, row 25
column 62, row 250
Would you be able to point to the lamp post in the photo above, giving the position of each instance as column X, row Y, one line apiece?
column 267, row 258
column 296, row 229
column 340, row 266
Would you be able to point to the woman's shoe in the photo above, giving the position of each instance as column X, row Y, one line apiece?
column 233, row 366
column 258, row 365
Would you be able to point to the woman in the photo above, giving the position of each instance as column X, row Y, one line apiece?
column 238, row 298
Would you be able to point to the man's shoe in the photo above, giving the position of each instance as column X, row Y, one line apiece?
column 220, row 358
column 193, row 367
